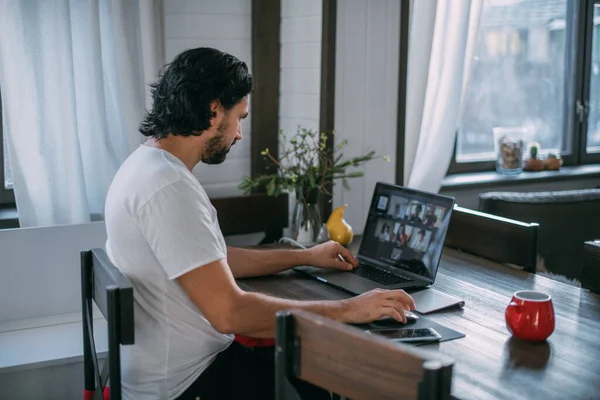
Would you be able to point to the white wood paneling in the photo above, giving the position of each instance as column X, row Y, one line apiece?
column 300, row 66
column 209, row 7
column 301, row 8
column 227, row 26
column 301, row 81
column 366, row 93
column 302, row 29
column 292, row 105
column 237, row 47
column 199, row 25
column 300, row 55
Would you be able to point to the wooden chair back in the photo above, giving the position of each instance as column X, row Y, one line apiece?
column 495, row 238
column 352, row 363
column 103, row 284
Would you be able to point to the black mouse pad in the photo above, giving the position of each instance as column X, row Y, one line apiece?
column 422, row 322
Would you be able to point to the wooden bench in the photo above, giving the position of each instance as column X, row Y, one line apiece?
column 495, row 238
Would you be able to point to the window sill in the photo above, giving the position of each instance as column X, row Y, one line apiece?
column 9, row 217
column 47, row 342
column 492, row 178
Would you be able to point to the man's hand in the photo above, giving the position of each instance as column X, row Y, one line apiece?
column 331, row 255
column 377, row 303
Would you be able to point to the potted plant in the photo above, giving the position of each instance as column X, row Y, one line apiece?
column 533, row 163
column 552, row 162
column 307, row 167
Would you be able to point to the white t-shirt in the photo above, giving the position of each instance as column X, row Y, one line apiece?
column 160, row 225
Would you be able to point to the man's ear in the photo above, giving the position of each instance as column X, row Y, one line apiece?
column 215, row 109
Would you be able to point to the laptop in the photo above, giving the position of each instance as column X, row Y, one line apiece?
column 401, row 245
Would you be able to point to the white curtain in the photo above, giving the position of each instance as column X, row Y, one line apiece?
column 442, row 43
column 73, row 75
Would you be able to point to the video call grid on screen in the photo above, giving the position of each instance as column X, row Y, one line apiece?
column 402, row 227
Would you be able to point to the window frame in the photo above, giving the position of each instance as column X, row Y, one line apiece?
column 578, row 42
column 7, row 196
column 585, row 157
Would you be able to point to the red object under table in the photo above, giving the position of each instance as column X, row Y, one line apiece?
column 254, row 342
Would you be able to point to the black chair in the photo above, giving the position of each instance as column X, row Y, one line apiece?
column 103, row 284
column 566, row 218
column 253, row 213
column 347, row 361
column 495, row 238
column 590, row 276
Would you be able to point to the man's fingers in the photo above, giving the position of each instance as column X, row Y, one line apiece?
column 391, row 312
column 340, row 262
column 396, row 305
column 400, row 296
column 347, row 255
column 342, row 265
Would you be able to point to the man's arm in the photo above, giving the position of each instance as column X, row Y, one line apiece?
column 231, row 310
column 246, row 263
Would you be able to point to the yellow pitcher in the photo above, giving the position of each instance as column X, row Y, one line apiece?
column 338, row 228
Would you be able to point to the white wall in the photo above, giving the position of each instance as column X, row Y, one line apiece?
column 227, row 26
column 300, row 67
column 300, row 79
column 366, row 95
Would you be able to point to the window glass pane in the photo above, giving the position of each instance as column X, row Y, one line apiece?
column 518, row 77
column 593, row 133
column 7, row 175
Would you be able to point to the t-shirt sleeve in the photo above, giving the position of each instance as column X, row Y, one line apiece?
column 178, row 225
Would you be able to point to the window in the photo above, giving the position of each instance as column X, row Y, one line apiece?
column 6, row 193
column 535, row 67
column 593, row 122
column 7, row 174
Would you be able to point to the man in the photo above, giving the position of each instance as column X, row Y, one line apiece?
column 430, row 217
column 420, row 244
column 415, row 216
column 163, row 234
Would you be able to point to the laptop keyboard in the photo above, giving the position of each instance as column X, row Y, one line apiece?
column 379, row 275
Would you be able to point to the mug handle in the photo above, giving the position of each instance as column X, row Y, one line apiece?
column 516, row 307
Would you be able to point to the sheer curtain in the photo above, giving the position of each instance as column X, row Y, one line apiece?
column 73, row 77
column 442, row 42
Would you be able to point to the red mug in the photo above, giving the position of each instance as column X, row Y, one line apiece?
column 530, row 316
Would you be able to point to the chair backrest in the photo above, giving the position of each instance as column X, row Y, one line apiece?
column 352, row 363
column 590, row 276
column 253, row 213
column 495, row 238
column 567, row 219
column 103, row 284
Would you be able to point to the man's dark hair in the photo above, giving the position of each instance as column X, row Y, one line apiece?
column 185, row 90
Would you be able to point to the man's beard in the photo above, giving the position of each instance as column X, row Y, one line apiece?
column 216, row 148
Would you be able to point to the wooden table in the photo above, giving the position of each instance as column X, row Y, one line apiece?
column 488, row 363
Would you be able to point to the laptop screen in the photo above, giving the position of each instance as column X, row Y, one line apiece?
column 406, row 228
